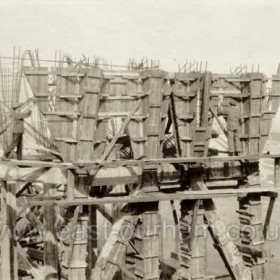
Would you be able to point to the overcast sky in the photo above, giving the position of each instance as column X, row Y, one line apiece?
column 225, row 33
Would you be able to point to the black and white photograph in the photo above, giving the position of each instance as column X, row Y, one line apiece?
column 139, row 140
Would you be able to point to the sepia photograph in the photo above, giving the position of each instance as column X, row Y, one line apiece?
column 139, row 140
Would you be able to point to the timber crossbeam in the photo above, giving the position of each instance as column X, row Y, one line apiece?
column 152, row 197
column 141, row 162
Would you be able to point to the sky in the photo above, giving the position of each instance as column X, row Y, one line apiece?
column 223, row 33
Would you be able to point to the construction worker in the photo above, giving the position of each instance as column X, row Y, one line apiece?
column 17, row 131
column 233, row 120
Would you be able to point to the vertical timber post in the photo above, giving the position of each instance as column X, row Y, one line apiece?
column 51, row 262
column 50, row 244
column 80, row 250
column 252, row 239
column 193, row 234
column 251, row 226
column 206, row 120
column 9, row 265
column 92, row 239
column 193, row 243
column 147, row 234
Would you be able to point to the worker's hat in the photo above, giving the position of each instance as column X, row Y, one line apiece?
column 16, row 105
column 233, row 102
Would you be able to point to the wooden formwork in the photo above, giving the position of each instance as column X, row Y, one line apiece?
column 86, row 103
column 38, row 80
column 191, row 96
column 91, row 130
column 249, row 90
column 144, row 220
column 275, row 98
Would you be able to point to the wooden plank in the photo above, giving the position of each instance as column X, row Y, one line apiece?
column 58, row 176
column 184, row 195
column 9, row 263
column 202, row 129
column 184, row 255
column 268, row 216
column 69, row 109
column 47, row 175
column 197, row 242
column 136, row 128
column 118, row 134
column 70, row 185
column 36, row 73
column 71, row 74
column 275, row 91
column 50, row 244
column 218, row 120
column 227, row 249
column 106, row 212
column 184, row 102
column 245, row 111
column 38, row 81
column 92, row 247
column 63, row 113
column 229, row 92
column 154, row 85
column 88, row 123
column 112, row 97
column 172, row 117
column 177, row 232
column 193, row 242
column 112, row 254
column 251, row 233
column 74, row 261
column 222, row 184
column 147, row 232
column 73, row 228
column 55, row 174
column 206, row 99
column 141, row 162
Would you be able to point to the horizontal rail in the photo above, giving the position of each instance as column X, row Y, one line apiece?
column 151, row 197
column 142, row 162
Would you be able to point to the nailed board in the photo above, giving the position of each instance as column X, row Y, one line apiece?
column 249, row 90
column 92, row 131
column 91, row 104
column 191, row 106
column 38, row 81
column 121, row 92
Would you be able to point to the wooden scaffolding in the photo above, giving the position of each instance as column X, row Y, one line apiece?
column 125, row 140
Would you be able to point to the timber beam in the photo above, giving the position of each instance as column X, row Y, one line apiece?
column 183, row 195
column 141, row 162
column 105, row 173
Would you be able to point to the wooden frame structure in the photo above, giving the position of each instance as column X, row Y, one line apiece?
column 145, row 105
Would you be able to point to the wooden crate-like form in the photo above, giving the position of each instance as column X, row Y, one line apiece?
column 87, row 102
column 72, row 110
column 38, row 81
column 249, row 91
column 122, row 91
column 191, row 96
